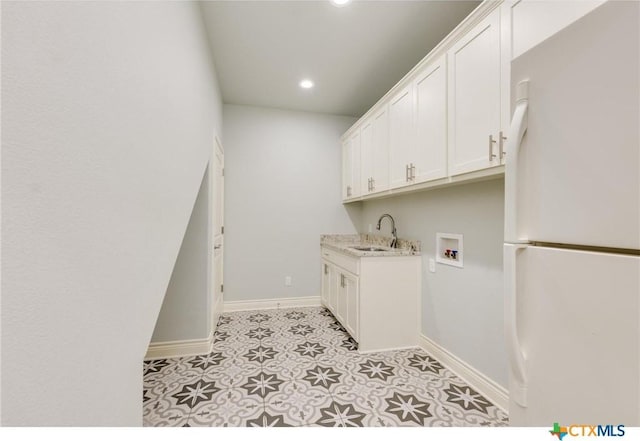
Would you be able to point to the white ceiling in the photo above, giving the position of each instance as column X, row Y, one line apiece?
column 354, row 54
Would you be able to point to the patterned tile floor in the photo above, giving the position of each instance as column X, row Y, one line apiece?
column 298, row 367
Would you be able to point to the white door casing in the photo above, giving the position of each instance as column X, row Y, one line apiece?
column 217, row 169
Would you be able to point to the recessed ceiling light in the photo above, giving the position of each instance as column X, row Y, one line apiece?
column 340, row 2
column 306, row 84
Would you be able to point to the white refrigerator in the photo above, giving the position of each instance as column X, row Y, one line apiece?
column 572, row 225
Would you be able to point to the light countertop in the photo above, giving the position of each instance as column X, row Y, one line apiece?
column 345, row 243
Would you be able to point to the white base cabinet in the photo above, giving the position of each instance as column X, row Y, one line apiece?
column 376, row 299
column 352, row 294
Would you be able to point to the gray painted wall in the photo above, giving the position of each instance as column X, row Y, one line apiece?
column 282, row 191
column 185, row 313
column 108, row 115
column 462, row 308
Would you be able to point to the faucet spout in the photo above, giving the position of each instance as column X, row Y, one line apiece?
column 394, row 240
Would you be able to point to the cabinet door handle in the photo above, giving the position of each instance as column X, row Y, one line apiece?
column 406, row 173
column 413, row 172
column 501, row 141
column 326, row 269
column 342, row 280
column 491, row 143
column 373, row 184
column 348, row 190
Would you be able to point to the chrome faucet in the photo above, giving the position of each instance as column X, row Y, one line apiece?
column 394, row 241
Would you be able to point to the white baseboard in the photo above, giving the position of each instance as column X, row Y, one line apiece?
column 375, row 351
column 181, row 348
column 491, row 390
column 290, row 302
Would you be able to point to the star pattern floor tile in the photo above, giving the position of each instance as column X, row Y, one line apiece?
column 298, row 367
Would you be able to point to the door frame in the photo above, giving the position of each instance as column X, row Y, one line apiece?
column 216, row 232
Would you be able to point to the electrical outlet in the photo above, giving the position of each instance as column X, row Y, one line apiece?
column 287, row 281
column 432, row 265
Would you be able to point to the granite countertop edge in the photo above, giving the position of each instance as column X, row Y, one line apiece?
column 344, row 243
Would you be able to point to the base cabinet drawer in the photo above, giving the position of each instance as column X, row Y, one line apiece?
column 348, row 263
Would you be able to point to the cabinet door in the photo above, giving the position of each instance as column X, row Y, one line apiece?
column 366, row 157
column 354, row 147
column 347, row 174
column 475, row 97
column 351, row 167
column 352, row 295
column 341, row 310
column 380, row 150
column 430, row 157
column 400, row 136
column 326, row 284
column 333, row 289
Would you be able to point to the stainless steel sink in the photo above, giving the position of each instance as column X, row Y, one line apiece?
column 370, row 248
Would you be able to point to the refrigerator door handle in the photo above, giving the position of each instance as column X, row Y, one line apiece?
column 518, row 388
column 514, row 139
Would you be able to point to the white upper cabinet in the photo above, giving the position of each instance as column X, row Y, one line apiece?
column 380, row 150
column 529, row 22
column 374, row 152
column 347, row 174
column 447, row 120
column 475, row 98
column 401, row 136
column 366, row 156
column 430, row 146
column 351, row 166
column 355, row 164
